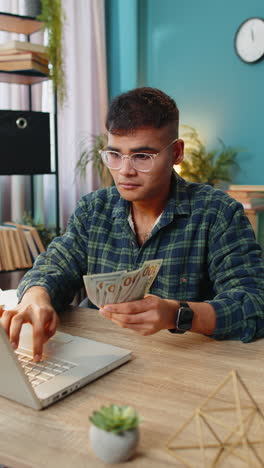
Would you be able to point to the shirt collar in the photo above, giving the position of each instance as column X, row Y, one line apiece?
column 178, row 201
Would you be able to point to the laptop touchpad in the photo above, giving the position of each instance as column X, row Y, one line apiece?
column 62, row 338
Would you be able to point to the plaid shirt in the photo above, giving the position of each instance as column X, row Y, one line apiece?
column 206, row 242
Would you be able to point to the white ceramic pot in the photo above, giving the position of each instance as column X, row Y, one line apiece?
column 111, row 447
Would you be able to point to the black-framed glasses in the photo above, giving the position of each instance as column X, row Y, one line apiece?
column 142, row 162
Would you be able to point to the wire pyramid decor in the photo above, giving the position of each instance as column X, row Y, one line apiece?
column 228, row 425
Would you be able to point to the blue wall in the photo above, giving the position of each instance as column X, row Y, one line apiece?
column 122, row 36
column 186, row 48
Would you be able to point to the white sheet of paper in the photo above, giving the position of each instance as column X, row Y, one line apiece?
column 8, row 298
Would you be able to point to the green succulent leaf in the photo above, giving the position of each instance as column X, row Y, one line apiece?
column 115, row 418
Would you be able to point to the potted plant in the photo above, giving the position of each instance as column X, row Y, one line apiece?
column 52, row 16
column 114, row 433
column 207, row 167
column 89, row 152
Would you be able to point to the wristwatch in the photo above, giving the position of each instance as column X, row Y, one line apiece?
column 184, row 319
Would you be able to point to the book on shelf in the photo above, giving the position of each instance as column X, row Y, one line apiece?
column 20, row 46
column 19, row 249
column 35, row 236
column 21, row 244
column 28, row 262
column 29, row 66
column 24, row 56
column 4, row 261
column 31, row 245
column 14, row 250
column 247, row 188
column 1, row 264
column 249, row 200
column 33, row 231
column 243, row 195
column 6, row 249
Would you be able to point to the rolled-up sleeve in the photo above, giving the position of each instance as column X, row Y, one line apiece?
column 60, row 269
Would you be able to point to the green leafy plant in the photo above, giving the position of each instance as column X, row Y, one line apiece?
column 208, row 167
column 89, row 152
column 45, row 234
column 52, row 16
column 115, row 418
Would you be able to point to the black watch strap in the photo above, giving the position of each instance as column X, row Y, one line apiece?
column 184, row 319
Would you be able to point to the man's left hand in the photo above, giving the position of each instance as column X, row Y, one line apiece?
column 145, row 316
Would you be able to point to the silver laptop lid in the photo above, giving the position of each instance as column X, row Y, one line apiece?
column 13, row 381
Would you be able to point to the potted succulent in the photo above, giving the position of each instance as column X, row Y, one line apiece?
column 203, row 166
column 114, row 433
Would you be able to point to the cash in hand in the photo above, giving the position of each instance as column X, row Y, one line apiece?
column 121, row 286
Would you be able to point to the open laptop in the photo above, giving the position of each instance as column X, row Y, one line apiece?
column 68, row 363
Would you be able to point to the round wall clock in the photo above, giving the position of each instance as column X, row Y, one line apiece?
column 249, row 40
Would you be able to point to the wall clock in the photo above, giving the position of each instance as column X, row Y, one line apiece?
column 249, row 40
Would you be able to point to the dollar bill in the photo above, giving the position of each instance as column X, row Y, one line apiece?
column 121, row 286
column 95, row 286
column 144, row 280
column 127, row 285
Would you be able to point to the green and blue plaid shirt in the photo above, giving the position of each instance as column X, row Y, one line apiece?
column 206, row 242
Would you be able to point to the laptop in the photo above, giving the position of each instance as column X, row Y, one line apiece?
column 68, row 363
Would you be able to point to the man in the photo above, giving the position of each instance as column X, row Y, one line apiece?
column 211, row 261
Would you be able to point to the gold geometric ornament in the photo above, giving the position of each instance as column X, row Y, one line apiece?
column 228, row 426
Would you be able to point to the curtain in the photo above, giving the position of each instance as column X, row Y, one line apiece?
column 82, row 114
column 85, row 108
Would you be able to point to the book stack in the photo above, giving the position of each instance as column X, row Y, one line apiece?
column 24, row 57
column 251, row 196
column 20, row 245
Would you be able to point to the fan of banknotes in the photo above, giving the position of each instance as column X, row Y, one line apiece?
column 121, row 286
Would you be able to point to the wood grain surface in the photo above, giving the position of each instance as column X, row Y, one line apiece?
column 168, row 377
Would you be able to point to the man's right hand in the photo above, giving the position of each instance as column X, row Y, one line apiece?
column 35, row 308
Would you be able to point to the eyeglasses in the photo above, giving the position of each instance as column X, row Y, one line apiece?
column 142, row 162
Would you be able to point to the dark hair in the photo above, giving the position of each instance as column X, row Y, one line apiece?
column 141, row 107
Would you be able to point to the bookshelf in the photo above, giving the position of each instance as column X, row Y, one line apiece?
column 19, row 24
column 28, row 25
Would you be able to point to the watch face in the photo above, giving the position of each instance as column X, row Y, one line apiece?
column 185, row 318
column 249, row 40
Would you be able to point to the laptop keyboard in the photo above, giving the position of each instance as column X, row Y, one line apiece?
column 41, row 372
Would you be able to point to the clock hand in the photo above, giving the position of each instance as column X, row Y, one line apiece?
column 252, row 34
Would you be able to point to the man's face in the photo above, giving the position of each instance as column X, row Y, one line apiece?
column 138, row 186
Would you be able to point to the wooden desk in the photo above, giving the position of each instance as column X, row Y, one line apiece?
column 169, row 376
